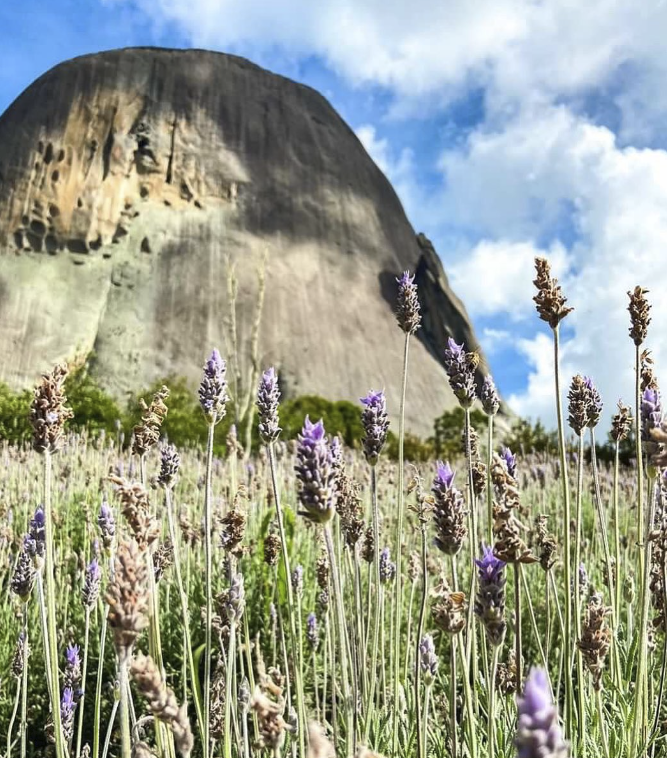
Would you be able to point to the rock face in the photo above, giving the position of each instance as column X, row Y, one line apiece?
column 140, row 187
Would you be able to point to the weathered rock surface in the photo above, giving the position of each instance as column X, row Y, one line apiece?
column 131, row 181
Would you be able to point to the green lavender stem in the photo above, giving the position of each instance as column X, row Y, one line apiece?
column 51, row 639
column 229, row 677
column 84, row 672
column 24, row 687
column 208, row 526
column 567, row 558
column 301, row 705
column 12, row 720
column 399, row 537
column 420, row 632
column 489, row 488
column 126, row 737
column 370, row 704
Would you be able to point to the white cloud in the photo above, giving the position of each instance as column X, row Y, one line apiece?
column 496, row 275
column 518, row 50
column 618, row 205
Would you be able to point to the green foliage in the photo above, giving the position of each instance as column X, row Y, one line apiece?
column 415, row 449
column 448, row 428
column 526, row 437
column 92, row 407
column 14, row 410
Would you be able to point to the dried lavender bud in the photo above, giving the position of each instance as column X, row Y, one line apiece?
column 593, row 403
column 460, row 371
column 244, row 695
column 235, row 599
column 336, row 448
column 213, row 388
column 48, row 412
column 595, row 638
column 135, row 507
column 163, row 559
column 147, row 433
column 582, row 579
column 538, row 731
column 323, row 600
column 621, row 423
column 91, row 585
column 72, row 673
column 387, row 566
column 414, row 566
column 270, row 720
column 322, row 571
column 449, row 511
column 368, row 546
column 407, row 307
column 489, row 397
column 547, row 544
column 315, row 473
column 139, row 750
column 127, row 598
column 349, row 508
column 376, row 423
column 428, row 660
column 233, row 526
column 318, row 744
column 271, row 549
column 106, row 524
column 162, row 702
column 507, row 529
column 449, row 612
column 268, row 396
column 67, row 710
column 23, row 578
column 21, row 655
column 648, row 380
column 312, row 631
column 490, row 600
column 549, row 301
column 639, row 309
column 297, row 580
column 170, row 462
column 578, row 405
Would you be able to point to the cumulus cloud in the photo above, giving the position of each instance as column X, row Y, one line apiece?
column 618, row 206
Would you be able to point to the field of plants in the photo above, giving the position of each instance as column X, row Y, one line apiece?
column 310, row 599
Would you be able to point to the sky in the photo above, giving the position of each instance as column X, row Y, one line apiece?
column 509, row 128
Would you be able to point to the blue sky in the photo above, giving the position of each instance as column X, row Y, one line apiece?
column 509, row 128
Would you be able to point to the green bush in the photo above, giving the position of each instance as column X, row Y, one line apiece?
column 527, row 437
column 448, row 430
column 340, row 417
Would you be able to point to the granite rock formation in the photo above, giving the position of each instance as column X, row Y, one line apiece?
column 133, row 181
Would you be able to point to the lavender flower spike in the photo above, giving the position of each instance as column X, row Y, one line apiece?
column 315, row 473
column 509, row 459
column 489, row 396
column 449, row 512
column 387, row 566
column 460, row 370
column 312, row 631
column 407, row 308
column 213, row 388
column 106, row 524
column 375, row 422
column 490, row 600
column 651, row 413
column 428, row 660
column 268, row 396
column 67, row 709
column 91, row 585
column 538, row 733
column 593, row 403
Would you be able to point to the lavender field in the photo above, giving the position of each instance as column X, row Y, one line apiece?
column 314, row 600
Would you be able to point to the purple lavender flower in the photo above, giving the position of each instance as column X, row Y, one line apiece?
column 538, row 733
column 34, row 542
column 428, row 660
column 510, row 461
column 449, row 512
column 651, row 413
column 407, row 309
column 213, row 388
column 72, row 673
column 593, row 403
column 489, row 397
column 387, row 566
column 460, row 372
column 268, row 396
column 315, row 473
column 67, row 709
column 312, row 631
column 170, row 462
column 490, row 600
column 106, row 524
column 91, row 585
column 336, row 448
column 375, row 422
